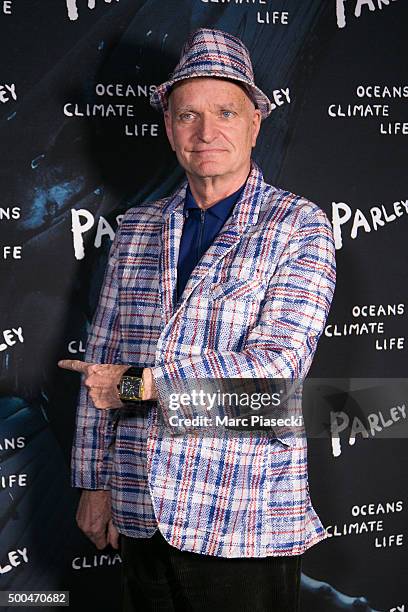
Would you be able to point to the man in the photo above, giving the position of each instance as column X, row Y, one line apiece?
column 227, row 278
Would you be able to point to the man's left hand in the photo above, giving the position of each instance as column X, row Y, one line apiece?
column 103, row 379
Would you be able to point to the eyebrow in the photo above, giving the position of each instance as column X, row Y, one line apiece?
column 189, row 108
column 179, row 109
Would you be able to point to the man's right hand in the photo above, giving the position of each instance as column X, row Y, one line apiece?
column 94, row 518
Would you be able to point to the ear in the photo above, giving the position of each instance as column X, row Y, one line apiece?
column 168, row 122
column 256, row 125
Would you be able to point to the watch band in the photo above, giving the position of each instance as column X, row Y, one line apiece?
column 130, row 386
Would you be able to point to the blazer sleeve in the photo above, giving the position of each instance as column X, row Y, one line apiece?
column 294, row 312
column 91, row 463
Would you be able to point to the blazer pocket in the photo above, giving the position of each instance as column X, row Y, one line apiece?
column 287, row 441
column 239, row 289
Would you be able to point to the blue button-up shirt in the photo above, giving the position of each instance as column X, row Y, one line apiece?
column 199, row 230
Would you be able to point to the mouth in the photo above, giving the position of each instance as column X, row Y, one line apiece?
column 207, row 151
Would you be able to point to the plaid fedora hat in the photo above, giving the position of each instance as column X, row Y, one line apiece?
column 213, row 53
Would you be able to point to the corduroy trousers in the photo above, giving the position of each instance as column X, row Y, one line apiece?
column 158, row 577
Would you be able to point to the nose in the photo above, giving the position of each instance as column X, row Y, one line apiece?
column 207, row 127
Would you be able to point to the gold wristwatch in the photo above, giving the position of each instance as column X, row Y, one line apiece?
column 130, row 386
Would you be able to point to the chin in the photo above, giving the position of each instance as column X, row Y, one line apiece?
column 207, row 169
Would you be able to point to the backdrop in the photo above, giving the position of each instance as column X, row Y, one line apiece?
column 80, row 145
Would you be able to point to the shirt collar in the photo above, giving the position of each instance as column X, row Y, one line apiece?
column 221, row 209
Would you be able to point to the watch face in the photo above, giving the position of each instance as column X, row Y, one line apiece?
column 130, row 388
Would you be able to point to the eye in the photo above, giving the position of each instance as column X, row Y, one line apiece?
column 227, row 114
column 186, row 116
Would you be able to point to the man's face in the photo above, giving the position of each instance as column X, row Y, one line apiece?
column 212, row 126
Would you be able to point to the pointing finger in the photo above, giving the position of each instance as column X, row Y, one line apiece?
column 74, row 364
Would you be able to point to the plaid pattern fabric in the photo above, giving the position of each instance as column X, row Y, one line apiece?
column 255, row 306
column 213, row 53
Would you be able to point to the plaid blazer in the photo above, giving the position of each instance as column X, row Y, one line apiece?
column 254, row 307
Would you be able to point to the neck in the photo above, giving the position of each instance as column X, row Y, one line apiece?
column 207, row 191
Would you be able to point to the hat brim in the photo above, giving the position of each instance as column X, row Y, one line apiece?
column 159, row 97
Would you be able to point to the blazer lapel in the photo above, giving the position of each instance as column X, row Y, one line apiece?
column 170, row 245
column 245, row 213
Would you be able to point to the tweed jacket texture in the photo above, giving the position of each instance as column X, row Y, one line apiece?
column 254, row 307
